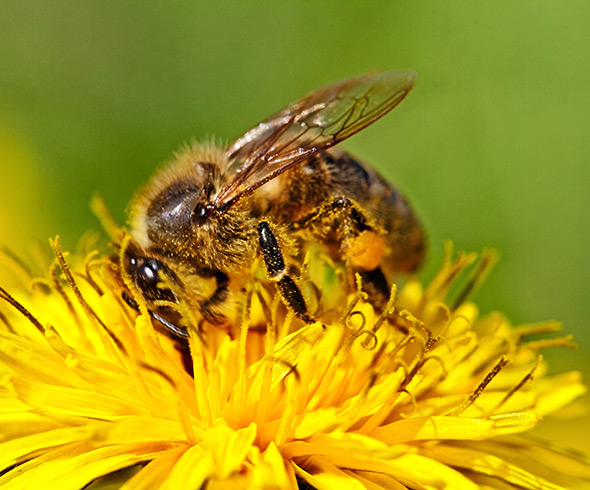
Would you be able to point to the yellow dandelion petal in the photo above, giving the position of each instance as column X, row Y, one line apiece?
column 140, row 429
column 72, row 402
column 558, row 391
column 228, row 448
column 157, row 472
column 270, row 470
column 328, row 477
column 377, row 481
column 191, row 470
column 44, row 440
column 439, row 427
column 433, row 472
column 489, row 465
column 75, row 465
column 540, row 459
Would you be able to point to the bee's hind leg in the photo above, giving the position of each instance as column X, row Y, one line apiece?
column 277, row 272
column 361, row 243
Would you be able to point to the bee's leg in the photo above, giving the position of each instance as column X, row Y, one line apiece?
column 212, row 309
column 356, row 231
column 335, row 213
column 361, row 242
column 177, row 330
column 278, row 273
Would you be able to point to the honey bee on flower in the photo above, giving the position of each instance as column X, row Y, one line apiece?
column 200, row 222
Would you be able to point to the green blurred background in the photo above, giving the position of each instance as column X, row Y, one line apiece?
column 492, row 146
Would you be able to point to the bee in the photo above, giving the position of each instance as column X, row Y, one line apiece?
column 201, row 222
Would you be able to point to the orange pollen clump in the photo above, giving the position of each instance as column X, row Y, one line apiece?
column 366, row 250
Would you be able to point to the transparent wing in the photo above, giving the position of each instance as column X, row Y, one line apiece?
column 318, row 121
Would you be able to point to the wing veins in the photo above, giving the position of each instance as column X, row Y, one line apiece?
column 315, row 123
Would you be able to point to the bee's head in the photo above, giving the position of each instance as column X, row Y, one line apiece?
column 175, row 206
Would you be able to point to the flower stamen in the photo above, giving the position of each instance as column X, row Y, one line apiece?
column 487, row 261
column 565, row 341
column 359, row 295
column 481, row 387
column 528, row 378
column 89, row 263
column 15, row 304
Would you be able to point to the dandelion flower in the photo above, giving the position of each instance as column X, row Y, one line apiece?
column 427, row 395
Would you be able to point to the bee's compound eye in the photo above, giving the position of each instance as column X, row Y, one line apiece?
column 149, row 270
column 149, row 276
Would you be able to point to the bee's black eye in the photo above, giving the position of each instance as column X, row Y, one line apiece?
column 151, row 277
column 149, row 271
column 148, row 274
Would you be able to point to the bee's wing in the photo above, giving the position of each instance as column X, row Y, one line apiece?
column 318, row 121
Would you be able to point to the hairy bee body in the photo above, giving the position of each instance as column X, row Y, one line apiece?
column 200, row 223
column 334, row 175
